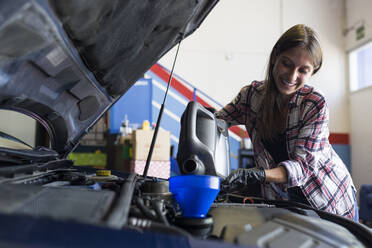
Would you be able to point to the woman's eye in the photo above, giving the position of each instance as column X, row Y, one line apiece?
column 285, row 63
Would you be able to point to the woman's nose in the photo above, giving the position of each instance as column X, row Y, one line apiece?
column 293, row 74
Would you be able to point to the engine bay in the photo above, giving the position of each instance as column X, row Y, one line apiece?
column 131, row 202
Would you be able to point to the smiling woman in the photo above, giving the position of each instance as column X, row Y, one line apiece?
column 287, row 121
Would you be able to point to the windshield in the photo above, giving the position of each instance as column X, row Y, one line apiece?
column 19, row 131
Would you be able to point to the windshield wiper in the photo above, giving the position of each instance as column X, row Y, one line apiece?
column 10, row 171
column 10, row 137
column 19, row 156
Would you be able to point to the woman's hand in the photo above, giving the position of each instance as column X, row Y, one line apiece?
column 243, row 177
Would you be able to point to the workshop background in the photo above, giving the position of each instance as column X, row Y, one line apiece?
column 231, row 49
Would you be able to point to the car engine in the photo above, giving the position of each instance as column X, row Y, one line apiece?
column 131, row 202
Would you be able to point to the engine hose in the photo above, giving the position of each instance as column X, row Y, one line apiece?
column 145, row 210
column 158, row 227
column 118, row 217
column 158, row 206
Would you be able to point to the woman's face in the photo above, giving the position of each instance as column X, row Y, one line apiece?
column 291, row 70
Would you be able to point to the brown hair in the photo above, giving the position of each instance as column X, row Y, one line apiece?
column 272, row 115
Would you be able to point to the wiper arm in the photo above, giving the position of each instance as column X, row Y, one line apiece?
column 6, row 160
column 10, row 137
column 39, row 154
column 10, row 171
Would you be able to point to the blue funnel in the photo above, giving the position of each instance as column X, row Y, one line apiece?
column 194, row 193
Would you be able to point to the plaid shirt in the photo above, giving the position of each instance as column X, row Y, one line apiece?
column 313, row 165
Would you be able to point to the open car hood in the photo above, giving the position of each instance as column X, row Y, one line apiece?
column 65, row 63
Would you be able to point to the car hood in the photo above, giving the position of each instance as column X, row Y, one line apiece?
column 65, row 63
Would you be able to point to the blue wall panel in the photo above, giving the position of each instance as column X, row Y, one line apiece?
column 135, row 103
column 344, row 152
column 170, row 125
column 234, row 148
column 172, row 104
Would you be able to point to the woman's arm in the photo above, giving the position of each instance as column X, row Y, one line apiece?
column 276, row 175
column 310, row 142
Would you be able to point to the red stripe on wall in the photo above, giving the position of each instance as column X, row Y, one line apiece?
column 176, row 84
column 334, row 138
column 339, row 138
column 239, row 131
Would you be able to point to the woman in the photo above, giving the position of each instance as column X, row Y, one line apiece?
column 287, row 122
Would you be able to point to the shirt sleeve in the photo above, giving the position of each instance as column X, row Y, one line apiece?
column 311, row 143
column 234, row 113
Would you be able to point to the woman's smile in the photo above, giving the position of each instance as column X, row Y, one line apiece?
column 287, row 83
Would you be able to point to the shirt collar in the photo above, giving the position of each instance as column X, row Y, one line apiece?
column 295, row 99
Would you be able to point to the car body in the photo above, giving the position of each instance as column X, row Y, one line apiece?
column 65, row 63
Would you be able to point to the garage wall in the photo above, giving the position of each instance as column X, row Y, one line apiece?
column 232, row 46
column 359, row 11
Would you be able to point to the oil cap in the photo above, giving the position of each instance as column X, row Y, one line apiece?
column 103, row 173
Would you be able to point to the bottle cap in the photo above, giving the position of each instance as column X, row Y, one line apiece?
column 103, row 173
column 145, row 125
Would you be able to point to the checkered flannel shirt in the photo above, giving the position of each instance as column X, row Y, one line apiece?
column 313, row 165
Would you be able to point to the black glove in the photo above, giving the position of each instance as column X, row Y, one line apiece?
column 243, row 177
